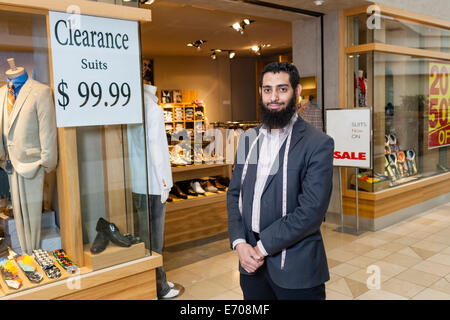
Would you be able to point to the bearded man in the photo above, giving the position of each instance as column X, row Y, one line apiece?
column 278, row 196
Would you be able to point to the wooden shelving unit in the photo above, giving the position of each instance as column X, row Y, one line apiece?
column 198, row 216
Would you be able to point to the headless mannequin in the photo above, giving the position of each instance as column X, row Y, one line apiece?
column 14, row 71
column 28, row 128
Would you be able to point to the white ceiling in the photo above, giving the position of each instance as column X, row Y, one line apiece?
column 178, row 22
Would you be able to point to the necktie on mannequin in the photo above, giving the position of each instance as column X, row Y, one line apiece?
column 11, row 98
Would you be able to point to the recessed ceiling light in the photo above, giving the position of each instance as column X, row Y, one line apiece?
column 318, row 2
column 232, row 54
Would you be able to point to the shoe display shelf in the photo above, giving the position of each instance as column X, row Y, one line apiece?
column 199, row 216
column 180, row 118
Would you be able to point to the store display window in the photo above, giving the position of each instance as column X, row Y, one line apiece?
column 382, row 28
column 410, row 99
column 104, row 165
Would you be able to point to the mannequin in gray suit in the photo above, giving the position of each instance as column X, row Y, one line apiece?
column 28, row 148
column 278, row 196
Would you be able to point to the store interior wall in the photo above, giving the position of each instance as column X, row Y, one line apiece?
column 243, row 91
column 210, row 77
column 227, row 86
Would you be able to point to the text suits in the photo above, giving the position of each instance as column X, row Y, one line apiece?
column 309, row 184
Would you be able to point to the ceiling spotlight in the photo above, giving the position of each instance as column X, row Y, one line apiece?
column 213, row 54
column 318, row 2
column 197, row 44
column 240, row 26
column 231, row 54
column 147, row 2
column 257, row 50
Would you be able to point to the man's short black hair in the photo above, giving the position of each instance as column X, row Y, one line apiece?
column 276, row 67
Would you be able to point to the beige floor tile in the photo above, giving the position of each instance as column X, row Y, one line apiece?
column 344, row 269
column 378, row 253
column 441, row 258
column 333, row 277
column 402, row 260
column 406, row 240
column 362, row 261
column 228, row 295
column 332, row 263
column 357, row 248
column 431, row 294
column 340, row 255
column 208, row 270
column 442, row 285
column 356, row 287
column 184, row 277
column 429, row 245
column 401, row 287
column 439, row 238
column 418, row 277
column 205, row 289
column 238, row 291
column 341, row 287
column 408, row 251
column 333, row 295
column 419, row 234
column 423, row 253
column 370, row 241
column 228, row 280
column 433, row 268
column 185, row 296
column 392, row 246
column 385, row 235
column 362, row 276
column 389, row 268
column 446, row 251
column 380, row 295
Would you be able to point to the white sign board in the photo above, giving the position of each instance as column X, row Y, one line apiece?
column 96, row 70
column 351, row 130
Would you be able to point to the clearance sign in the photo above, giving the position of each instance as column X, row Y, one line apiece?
column 351, row 130
column 439, row 116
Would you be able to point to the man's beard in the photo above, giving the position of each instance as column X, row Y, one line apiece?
column 277, row 119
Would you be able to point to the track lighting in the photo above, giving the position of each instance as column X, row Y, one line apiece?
column 197, row 44
column 257, row 48
column 240, row 26
column 231, row 53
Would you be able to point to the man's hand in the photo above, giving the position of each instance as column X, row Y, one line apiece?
column 249, row 258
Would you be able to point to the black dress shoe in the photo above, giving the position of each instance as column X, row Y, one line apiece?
column 176, row 191
column 100, row 242
column 132, row 239
column 112, row 232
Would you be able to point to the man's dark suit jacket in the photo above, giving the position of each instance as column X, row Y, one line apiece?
column 309, row 185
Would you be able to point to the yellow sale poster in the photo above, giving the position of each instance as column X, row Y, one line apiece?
column 439, row 105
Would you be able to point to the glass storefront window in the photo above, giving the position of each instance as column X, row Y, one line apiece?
column 410, row 98
column 397, row 32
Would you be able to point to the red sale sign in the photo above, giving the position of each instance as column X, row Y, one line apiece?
column 439, row 115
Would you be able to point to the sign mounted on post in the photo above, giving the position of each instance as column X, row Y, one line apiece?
column 351, row 130
column 96, row 70
column 439, row 116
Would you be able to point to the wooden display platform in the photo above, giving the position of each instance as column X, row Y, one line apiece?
column 27, row 284
column 135, row 280
column 112, row 255
column 196, row 171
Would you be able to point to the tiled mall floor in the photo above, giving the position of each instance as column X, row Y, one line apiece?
column 413, row 257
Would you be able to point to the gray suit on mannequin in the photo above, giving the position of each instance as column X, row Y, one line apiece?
column 29, row 140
